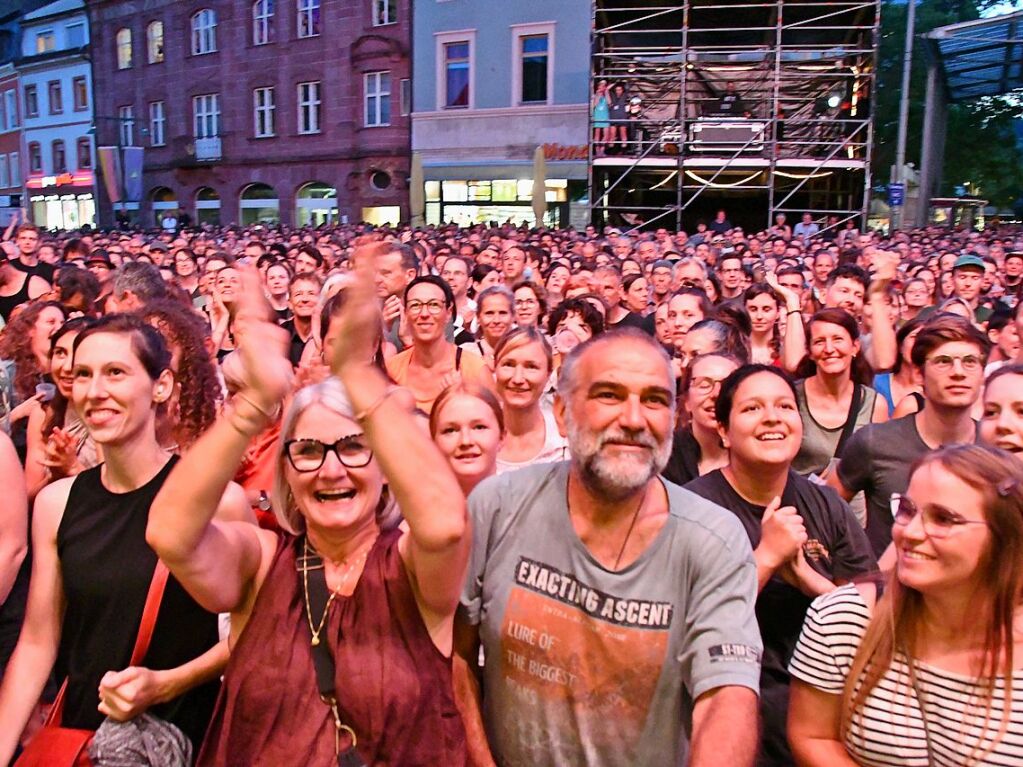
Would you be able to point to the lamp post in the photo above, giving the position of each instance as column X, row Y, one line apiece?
column 900, row 142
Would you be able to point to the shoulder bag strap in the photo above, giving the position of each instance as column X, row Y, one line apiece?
column 458, row 358
column 850, row 419
column 145, row 636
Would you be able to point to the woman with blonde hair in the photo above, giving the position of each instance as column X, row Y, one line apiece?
column 523, row 361
column 467, row 424
column 928, row 671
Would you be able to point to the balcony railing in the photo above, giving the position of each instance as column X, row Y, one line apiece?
column 207, row 149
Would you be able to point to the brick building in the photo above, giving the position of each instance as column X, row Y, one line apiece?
column 290, row 111
column 10, row 145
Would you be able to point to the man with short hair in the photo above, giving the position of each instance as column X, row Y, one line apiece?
column 847, row 289
column 806, row 228
column 660, row 281
column 17, row 287
column 950, row 354
column 395, row 269
column 690, row 272
column 304, row 300
column 616, row 610
column 730, row 274
column 456, row 274
column 133, row 286
column 513, row 265
column 26, row 240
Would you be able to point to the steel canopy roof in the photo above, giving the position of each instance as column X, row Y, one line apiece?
column 980, row 58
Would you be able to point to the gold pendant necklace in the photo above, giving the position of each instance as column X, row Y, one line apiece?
column 310, row 553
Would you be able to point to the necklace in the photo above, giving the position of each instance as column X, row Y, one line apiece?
column 310, row 553
column 632, row 522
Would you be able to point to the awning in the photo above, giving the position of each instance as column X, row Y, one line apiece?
column 979, row 58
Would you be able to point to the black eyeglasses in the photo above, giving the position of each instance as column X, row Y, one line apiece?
column 309, row 454
column 938, row 522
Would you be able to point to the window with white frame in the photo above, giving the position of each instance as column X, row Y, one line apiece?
column 46, row 41
column 123, row 42
column 55, row 97
column 80, row 93
column 308, row 18
column 126, row 125
column 455, row 54
column 262, row 22
column 385, row 12
column 377, row 87
column 15, row 169
column 75, row 35
column 31, row 101
column 5, row 172
column 157, row 124
column 532, row 64
column 309, row 107
column 35, row 157
column 263, row 112
column 204, row 32
column 206, row 115
column 154, row 42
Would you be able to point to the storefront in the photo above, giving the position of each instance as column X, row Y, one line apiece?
column 66, row 201
column 473, row 194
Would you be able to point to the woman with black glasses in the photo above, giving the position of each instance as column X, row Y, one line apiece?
column 343, row 626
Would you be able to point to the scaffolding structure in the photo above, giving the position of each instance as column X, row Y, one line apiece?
column 759, row 108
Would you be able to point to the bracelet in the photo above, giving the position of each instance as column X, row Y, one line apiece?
column 232, row 417
column 793, row 311
column 271, row 417
column 362, row 415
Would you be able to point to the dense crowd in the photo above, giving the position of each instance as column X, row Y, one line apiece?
column 498, row 495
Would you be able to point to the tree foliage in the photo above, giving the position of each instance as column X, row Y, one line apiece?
column 982, row 147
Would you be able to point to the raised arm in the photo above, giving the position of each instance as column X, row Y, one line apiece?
column 13, row 517
column 884, row 349
column 217, row 561
column 34, row 656
column 793, row 343
column 436, row 548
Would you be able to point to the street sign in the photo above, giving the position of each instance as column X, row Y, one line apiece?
column 896, row 195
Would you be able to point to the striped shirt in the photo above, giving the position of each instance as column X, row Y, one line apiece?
column 890, row 729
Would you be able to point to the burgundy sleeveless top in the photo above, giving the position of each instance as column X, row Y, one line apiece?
column 393, row 684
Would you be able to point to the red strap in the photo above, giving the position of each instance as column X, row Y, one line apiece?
column 145, row 635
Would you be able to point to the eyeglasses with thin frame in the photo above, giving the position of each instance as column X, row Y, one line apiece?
column 309, row 454
column 704, row 385
column 944, row 362
column 433, row 307
column 938, row 522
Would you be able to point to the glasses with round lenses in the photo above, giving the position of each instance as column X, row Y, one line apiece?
column 938, row 522
column 945, row 362
column 309, row 454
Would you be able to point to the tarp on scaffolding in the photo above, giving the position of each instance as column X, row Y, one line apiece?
column 979, row 58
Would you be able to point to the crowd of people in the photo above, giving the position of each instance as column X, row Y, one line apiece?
column 509, row 496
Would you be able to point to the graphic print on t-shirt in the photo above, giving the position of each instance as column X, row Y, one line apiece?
column 588, row 659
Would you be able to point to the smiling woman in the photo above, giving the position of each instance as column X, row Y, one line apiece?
column 343, row 623
column 804, row 538
column 91, row 558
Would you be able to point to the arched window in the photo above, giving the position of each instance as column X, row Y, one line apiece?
column 204, row 32
column 154, row 42
column 262, row 22
column 259, row 205
column 207, row 206
column 315, row 204
column 84, row 153
column 123, row 40
column 164, row 202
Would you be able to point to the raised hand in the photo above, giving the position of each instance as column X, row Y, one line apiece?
column 61, row 454
column 355, row 329
column 782, row 533
column 267, row 372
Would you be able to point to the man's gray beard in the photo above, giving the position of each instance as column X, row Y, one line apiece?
column 618, row 478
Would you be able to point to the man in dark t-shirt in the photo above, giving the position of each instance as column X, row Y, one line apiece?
column 950, row 354
column 836, row 548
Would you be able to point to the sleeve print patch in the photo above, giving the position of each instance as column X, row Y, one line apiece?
column 549, row 581
column 734, row 652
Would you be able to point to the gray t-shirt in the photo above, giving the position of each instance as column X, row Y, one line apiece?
column 876, row 460
column 585, row 666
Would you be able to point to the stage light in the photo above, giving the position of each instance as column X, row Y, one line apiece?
column 834, row 100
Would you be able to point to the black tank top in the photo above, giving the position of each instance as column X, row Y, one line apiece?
column 107, row 568
column 8, row 303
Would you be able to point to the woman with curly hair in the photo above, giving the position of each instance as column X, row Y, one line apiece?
column 197, row 394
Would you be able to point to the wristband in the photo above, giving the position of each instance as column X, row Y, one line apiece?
column 362, row 415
